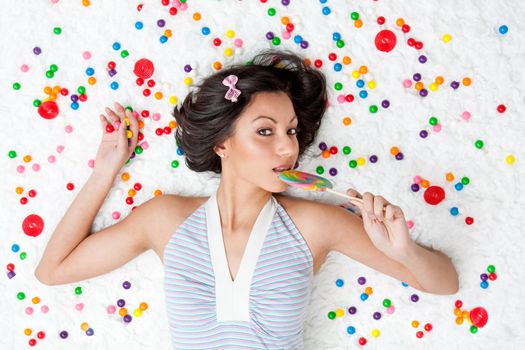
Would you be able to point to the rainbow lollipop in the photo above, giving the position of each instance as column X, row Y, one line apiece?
column 311, row 182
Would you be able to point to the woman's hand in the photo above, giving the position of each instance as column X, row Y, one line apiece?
column 385, row 224
column 114, row 149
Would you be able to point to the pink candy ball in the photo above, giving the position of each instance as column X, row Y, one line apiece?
column 183, row 6
column 155, row 116
column 91, row 163
column 410, row 224
column 51, row 159
column 407, row 83
column 466, row 115
column 86, row 55
column 24, row 68
column 390, row 310
column 36, row 167
column 54, row 1
column 417, row 179
column 29, row 310
column 437, row 128
column 69, row 129
column 79, row 306
column 20, row 169
column 286, row 35
column 341, row 99
column 238, row 42
column 144, row 145
column 44, row 309
column 60, row 148
column 111, row 309
column 115, row 215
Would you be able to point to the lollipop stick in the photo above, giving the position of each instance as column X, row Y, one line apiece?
column 352, row 199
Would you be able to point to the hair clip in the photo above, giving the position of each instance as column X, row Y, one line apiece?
column 232, row 92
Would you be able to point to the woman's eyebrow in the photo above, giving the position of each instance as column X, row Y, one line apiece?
column 275, row 121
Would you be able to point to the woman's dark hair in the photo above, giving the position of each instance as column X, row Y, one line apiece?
column 206, row 118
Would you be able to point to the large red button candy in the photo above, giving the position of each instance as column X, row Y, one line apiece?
column 479, row 316
column 434, row 195
column 48, row 110
column 33, row 225
column 385, row 40
column 144, row 68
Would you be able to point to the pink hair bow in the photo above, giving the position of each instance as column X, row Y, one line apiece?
column 232, row 92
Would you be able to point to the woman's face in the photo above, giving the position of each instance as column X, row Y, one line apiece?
column 264, row 138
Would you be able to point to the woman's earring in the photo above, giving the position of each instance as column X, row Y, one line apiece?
column 221, row 155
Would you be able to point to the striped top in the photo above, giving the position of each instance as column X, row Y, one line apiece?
column 263, row 308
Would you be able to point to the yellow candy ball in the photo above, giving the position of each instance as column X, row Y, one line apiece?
column 84, row 326
column 376, row 333
column 228, row 52
column 137, row 313
column 355, row 74
column 510, row 159
column 230, row 33
column 339, row 312
column 372, row 84
column 361, row 161
column 129, row 134
column 446, row 38
column 173, row 100
column 433, row 86
column 188, row 81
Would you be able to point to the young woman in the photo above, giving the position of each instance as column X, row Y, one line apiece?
column 238, row 264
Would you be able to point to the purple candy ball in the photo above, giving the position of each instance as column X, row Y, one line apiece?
column 90, row 332
column 377, row 315
column 74, row 98
column 269, row 35
column 322, row 146
column 63, row 334
column 352, row 310
column 423, row 92
column 304, row 44
column 121, row 302
column 423, row 133
column 126, row 285
column 373, row 158
column 361, row 280
column 414, row 187
column 385, row 103
column 127, row 318
column 285, row 2
column 333, row 171
column 161, row 23
column 484, row 276
column 187, row 68
column 416, row 77
column 422, row 59
column 399, row 156
column 454, row 85
column 414, row 298
column 37, row 50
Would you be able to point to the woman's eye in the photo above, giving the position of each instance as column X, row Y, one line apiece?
column 259, row 131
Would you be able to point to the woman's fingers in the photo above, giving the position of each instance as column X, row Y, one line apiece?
column 379, row 206
column 134, row 127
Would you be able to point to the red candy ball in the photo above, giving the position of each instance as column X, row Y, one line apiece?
column 434, row 195
column 502, row 108
column 385, row 40
column 33, row 225
column 493, row 276
column 23, row 200
column 332, row 56
column 10, row 267
column 469, row 220
column 428, row 327
column 31, row 193
column 217, row 42
column 405, row 28
column 318, row 63
column 70, row 186
column 419, row 334
column 111, row 65
column 362, row 341
column 479, row 317
column 458, row 304
column 381, row 20
column 48, row 110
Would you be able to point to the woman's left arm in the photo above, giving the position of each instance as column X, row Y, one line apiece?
column 380, row 239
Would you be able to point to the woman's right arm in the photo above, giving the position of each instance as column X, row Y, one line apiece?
column 72, row 253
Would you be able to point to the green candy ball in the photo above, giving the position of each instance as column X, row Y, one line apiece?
column 319, row 170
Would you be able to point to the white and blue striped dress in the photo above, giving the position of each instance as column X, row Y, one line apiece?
column 263, row 308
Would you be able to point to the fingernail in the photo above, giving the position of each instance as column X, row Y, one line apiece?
column 116, row 125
